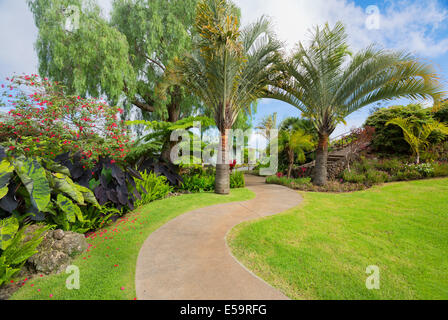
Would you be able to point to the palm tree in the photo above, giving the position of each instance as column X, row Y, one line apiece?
column 416, row 132
column 267, row 124
column 294, row 142
column 229, row 70
column 327, row 83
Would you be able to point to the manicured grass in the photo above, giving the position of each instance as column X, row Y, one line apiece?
column 321, row 249
column 110, row 263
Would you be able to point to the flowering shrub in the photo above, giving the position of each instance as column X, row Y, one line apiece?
column 424, row 169
column 45, row 122
column 232, row 165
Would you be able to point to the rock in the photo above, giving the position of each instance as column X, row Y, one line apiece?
column 58, row 234
column 56, row 250
column 49, row 261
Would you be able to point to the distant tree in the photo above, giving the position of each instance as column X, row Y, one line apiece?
column 267, row 124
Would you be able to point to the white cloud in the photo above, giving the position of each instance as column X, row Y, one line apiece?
column 408, row 25
column 17, row 36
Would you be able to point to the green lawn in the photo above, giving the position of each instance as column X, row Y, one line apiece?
column 109, row 266
column 321, row 249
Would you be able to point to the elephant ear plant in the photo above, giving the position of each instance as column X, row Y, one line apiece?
column 111, row 183
column 38, row 189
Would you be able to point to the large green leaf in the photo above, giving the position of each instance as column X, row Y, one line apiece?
column 63, row 183
column 6, row 172
column 71, row 210
column 35, row 181
column 88, row 195
column 8, row 228
column 56, row 167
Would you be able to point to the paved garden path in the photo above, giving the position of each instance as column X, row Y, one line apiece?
column 188, row 258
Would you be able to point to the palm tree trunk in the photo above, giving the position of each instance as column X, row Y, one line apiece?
column 290, row 162
column 222, row 178
column 320, row 169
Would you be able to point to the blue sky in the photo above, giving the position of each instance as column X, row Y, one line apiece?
column 417, row 26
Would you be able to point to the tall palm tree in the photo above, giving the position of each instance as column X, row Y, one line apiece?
column 327, row 83
column 229, row 70
column 416, row 132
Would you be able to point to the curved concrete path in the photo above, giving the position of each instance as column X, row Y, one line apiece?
column 188, row 258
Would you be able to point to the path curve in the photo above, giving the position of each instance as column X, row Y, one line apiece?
column 188, row 258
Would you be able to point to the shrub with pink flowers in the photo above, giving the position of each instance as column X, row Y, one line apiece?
column 43, row 121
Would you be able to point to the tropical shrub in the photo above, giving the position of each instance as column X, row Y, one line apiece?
column 376, row 177
column 204, row 181
column 237, row 180
column 417, row 133
column 198, row 183
column 353, row 176
column 440, row 169
column 14, row 250
column 391, row 166
column 289, row 182
column 113, row 184
column 40, row 188
column 93, row 218
column 152, row 187
column 390, row 139
column 442, row 113
column 46, row 122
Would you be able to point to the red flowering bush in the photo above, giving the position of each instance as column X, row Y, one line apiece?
column 232, row 165
column 45, row 122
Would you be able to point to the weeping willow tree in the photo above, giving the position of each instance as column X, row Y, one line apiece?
column 121, row 58
column 326, row 82
column 228, row 70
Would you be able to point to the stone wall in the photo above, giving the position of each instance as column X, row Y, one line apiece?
column 334, row 169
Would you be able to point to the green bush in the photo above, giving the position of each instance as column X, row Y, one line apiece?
column 440, row 169
column 156, row 188
column 289, row 182
column 389, row 139
column 198, row 183
column 442, row 114
column 408, row 174
column 391, row 166
column 204, row 180
column 237, row 180
column 353, row 176
column 93, row 218
column 376, row 177
column 14, row 250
